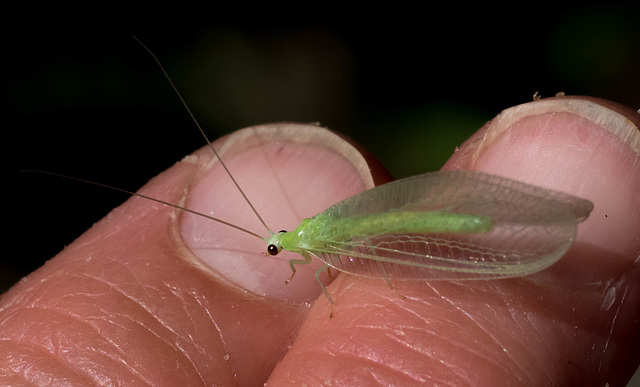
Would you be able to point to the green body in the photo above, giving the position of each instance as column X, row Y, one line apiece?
column 313, row 233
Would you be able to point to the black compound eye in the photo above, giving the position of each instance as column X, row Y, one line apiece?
column 282, row 231
column 272, row 250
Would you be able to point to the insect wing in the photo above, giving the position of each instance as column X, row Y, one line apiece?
column 532, row 227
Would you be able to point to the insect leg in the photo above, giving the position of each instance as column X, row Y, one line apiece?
column 384, row 274
column 324, row 290
column 329, row 273
column 293, row 262
column 380, row 265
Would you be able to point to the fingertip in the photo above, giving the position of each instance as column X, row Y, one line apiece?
column 289, row 172
column 582, row 146
column 143, row 290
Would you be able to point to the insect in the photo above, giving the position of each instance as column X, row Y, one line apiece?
column 441, row 225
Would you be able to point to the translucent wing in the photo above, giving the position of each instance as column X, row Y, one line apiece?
column 532, row 227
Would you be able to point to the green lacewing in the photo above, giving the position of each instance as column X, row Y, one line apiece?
column 441, row 225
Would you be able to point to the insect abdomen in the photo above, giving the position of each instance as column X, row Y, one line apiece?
column 403, row 222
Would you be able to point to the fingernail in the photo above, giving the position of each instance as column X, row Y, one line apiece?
column 288, row 172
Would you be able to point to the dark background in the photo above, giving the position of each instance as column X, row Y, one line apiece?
column 83, row 98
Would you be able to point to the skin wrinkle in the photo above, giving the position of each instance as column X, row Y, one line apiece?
column 7, row 371
column 50, row 356
column 470, row 350
column 156, row 318
column 69, row 365
column 539, row 339
column 356, row 361
column 505, row 351
column 144, row 326
column 34, row 306
column 174, row 290
column 515, row 323
column 122, row 359
column 417, row 350
column 454, row 368
column 558, row 338
column 523, row 347
column 613, row 324
column 526, row 334
column 190, row 338
column 218, row 329
column 185, row 354
column 382, row 382
column 481, row 327
column 36, row 289
column 169, row 344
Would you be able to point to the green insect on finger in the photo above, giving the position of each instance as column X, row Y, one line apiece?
column 442, row 225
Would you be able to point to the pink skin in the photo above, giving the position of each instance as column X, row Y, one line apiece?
column 151, row 295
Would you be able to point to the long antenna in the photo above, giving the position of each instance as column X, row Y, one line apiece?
column 208, row 142
column 148, row 198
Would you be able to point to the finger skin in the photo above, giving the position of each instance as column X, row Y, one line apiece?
column 137, row 301
column 572, row 324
